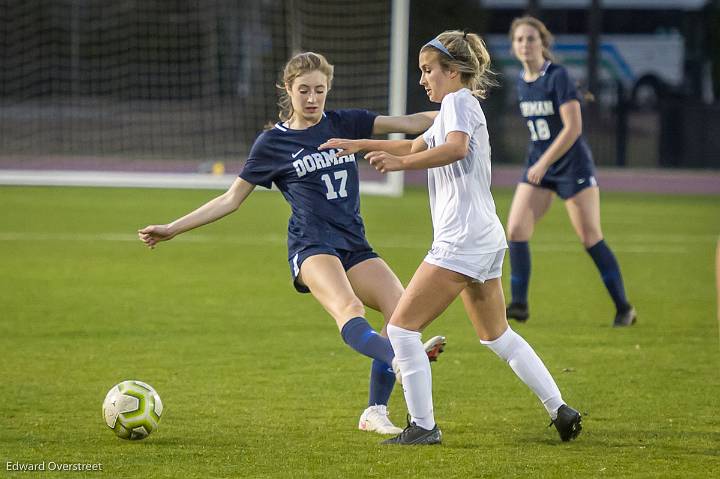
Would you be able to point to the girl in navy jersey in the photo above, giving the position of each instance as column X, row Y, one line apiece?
column 328, row 253
column 468, row 246
column 559, row 161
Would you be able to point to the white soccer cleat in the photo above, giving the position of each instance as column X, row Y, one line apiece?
column 433, row 347
column 375, row 418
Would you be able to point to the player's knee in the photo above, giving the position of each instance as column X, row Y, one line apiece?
column 516, row 232
column 351, row 308
column 590, row 238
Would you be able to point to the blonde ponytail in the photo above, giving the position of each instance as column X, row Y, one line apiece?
column 470, row 57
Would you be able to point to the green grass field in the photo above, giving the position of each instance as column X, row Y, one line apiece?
column 257, row 382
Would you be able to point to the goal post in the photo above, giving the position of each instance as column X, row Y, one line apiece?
column 399, row 29
column 151, row 93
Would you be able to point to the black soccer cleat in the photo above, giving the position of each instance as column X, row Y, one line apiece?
column 414, row 435
column 518, row 312
column 568, row 423
column 626, row 318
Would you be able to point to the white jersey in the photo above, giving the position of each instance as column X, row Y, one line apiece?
column 462, row 207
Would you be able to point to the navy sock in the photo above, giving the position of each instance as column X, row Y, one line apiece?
column 382, row 381
column 610, row 272
column 519, row 271
column 359, row 335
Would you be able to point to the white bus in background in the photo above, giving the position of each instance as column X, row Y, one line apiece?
column 647, row 65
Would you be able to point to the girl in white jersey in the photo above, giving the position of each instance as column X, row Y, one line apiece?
column 469, row 242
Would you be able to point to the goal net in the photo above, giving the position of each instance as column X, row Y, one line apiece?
column 172, row 92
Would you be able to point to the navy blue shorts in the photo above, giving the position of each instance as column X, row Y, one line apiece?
column 347, row 258
column 565, row 187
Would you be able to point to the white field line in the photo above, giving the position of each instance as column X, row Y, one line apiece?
column 680, row 244
column 122, row 179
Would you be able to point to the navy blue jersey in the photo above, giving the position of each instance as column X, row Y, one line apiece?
column 323, row 189
column 540, row 102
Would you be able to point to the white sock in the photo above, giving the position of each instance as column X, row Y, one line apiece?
column 528, row 367
column 416, row 379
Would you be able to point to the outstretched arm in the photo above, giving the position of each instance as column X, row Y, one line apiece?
column 455, row 148
column 348, row 147
column 412, row 124
column 211, row 211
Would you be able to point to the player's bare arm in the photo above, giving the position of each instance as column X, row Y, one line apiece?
column 393, row 147
column 418, row 145
column 211, row 211
column 456, row 148
column 571, row 131
column 412, row 124
column 348, row 147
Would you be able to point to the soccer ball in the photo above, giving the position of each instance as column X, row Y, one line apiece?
column 132, row 409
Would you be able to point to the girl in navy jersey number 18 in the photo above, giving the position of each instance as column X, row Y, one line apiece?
column 327, row 250
column 559, row 161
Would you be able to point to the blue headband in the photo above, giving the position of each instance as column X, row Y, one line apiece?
column 436, row 44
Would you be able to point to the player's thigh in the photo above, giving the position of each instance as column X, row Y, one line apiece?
column 584, row 212
column 529, row 204
column 430, row 292
column 325, row 276
column 376, row 285
column 485, row 307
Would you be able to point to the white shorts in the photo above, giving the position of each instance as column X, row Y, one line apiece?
column 479, row 267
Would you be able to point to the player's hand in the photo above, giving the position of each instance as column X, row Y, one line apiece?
column 153, row 234
column 384, row 162
column 346, row 147
column 536, row 173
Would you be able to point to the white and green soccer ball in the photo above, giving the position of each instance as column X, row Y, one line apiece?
column 132, row 409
